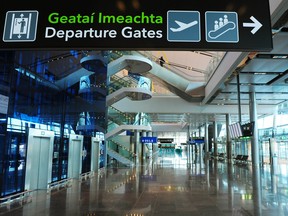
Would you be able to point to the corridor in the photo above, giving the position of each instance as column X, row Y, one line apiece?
column 168, row 185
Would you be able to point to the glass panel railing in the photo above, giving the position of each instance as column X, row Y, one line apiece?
column 214, row 62
column 127, row 80
column 120, row 82
column 112, row 125
column 142, row 119
column 119, row 117
column 113, row 55
column 119, row 148
column 216, row 58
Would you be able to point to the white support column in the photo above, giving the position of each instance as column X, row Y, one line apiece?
column 228, row 140
column 206, row 139
column 136, row 147
column 254, row 138
column 215, row 139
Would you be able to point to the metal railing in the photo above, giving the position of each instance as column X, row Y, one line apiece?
column 87, row 175
column 19, row 197
column 59, row 185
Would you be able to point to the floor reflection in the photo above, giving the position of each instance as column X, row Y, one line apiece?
column 172, row 183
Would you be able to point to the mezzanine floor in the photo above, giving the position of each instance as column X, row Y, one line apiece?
column 165, row 186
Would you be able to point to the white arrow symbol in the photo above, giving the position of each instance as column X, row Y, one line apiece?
column 256, row 25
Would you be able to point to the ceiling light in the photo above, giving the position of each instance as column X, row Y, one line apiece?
column 279, row 56
column 260, row 73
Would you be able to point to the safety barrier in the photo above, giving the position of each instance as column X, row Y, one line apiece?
column 21, row 198
column 87, row 175
column 59, row 185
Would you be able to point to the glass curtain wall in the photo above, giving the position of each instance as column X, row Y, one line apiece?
column 273, row 135
column 43, row 92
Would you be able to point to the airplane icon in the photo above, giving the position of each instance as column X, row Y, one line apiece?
column 183, row 26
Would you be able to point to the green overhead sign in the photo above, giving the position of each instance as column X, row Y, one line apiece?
column 140, row 24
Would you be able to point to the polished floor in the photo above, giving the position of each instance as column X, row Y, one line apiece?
column 171, row 184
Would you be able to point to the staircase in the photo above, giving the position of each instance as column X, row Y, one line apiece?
column 119, row 157
column 120, row 87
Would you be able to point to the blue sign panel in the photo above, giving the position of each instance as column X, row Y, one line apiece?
column 175, row 25
column 149, row 139
column 183, row 26
column 20, row 26
column 221, row 27
column 196, row 140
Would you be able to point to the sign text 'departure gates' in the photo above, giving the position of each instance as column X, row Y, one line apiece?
column 175, row 25
column 126, row 32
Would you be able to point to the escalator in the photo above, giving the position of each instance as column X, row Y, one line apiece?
column 120, row 87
